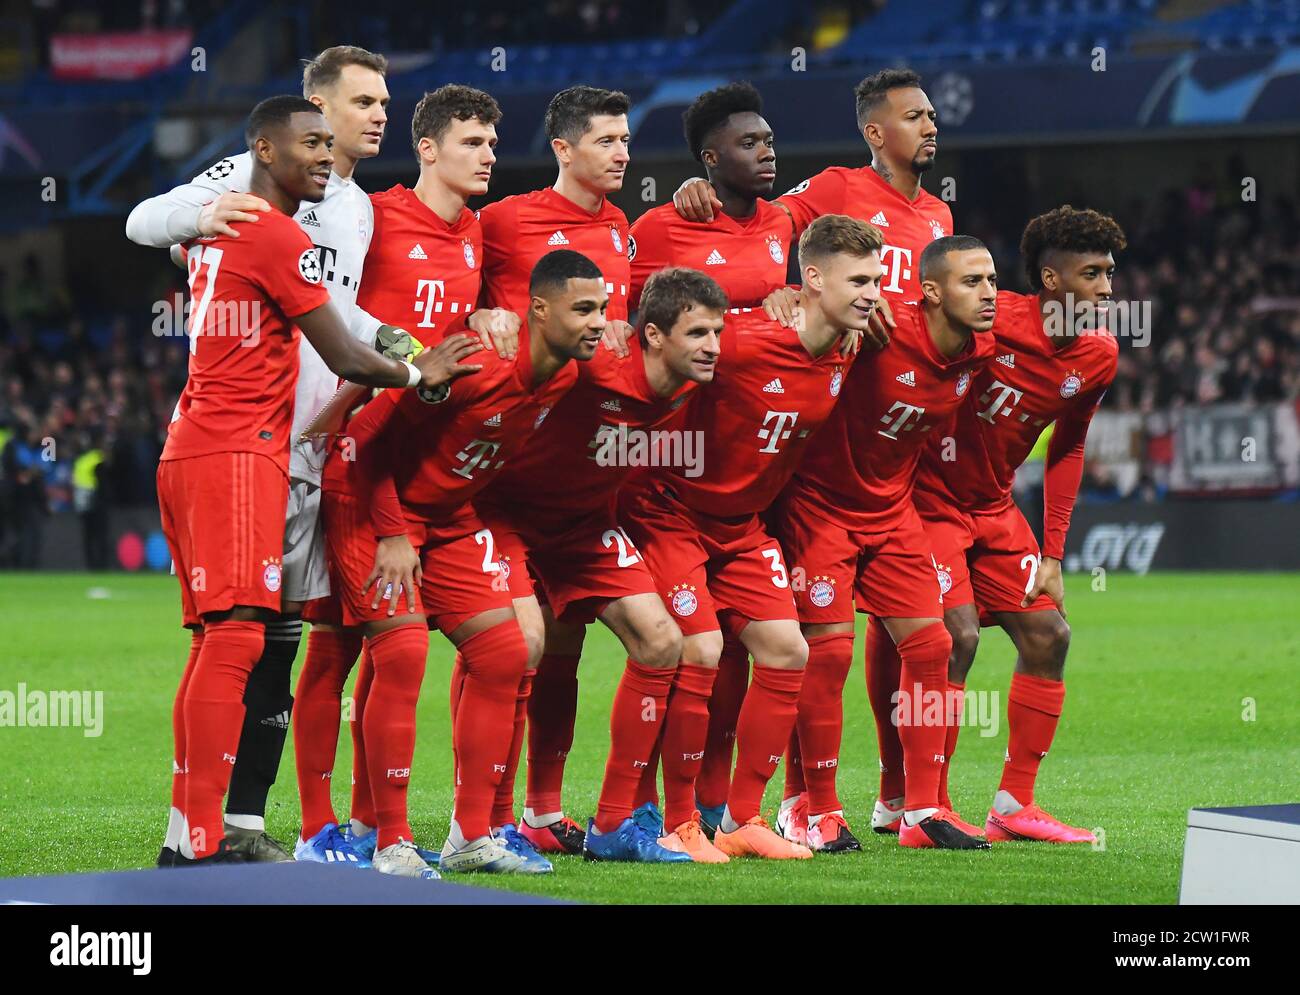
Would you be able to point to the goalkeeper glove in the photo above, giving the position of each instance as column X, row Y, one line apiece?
column 397, row 343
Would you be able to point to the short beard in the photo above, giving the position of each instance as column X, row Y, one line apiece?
column 920, row 165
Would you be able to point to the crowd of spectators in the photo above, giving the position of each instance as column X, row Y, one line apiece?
column 1222, row 278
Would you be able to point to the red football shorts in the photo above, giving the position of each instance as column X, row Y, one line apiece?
column 705, row 565
column 988, row 558
column 223, row 516
column 888, row 574
column 581, row 564
column 462, row 575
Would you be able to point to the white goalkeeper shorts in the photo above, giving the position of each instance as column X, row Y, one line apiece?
column 305, row 573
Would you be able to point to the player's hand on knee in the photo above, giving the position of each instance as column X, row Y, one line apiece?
column 215, row 218
column 498, row 329
column 781, row 305
column 397, row 569
column 696, row 200
column 1048, row 580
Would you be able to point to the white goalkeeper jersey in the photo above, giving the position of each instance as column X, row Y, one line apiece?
column 339, row 226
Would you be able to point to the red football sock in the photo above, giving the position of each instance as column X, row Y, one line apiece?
column 794, row 779
column 729, row 687
column 457, row 687
column 820, row 721
column 1033, row 711
column 397, row 659
column 924, row 680
column 494, row 661
column 954, row 701
column 686, row 730
column 883, row 679
column 766, row 720
column 317, row 710
column 363, row 802
column 503, row 808
column 178, row 723
column 214, row 716
column 640, row 704
column 552, row 712
column 647, row 790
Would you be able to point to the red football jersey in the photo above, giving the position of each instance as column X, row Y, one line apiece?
column 421, row 273
column 1030, row 385
column 747, row 258
column 519, row 230
column 767, row 399
column 908, row 226
column 245, row 293
column 578, row 459
column 404, row 454
column 860, row 472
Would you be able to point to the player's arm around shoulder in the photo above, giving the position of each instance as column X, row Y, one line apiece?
column 207, row 205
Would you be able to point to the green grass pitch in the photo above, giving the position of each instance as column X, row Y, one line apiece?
column 1182, row 694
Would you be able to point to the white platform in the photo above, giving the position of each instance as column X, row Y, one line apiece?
column 1242, row 856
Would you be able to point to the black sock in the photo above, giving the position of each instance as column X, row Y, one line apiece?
column 268, row 704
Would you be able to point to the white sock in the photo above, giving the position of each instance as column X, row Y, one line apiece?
column 729, row 825
column 893, row 803
column 543, row 820
column 359, row 828
column 814, row 819
column 456, row 837
column 913, row 817
column 1004, row 803
column 175, row 829
column 256, row 823
column 789, row 803
column 186, row 847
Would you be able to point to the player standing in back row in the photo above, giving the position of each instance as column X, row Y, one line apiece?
column 588, row 133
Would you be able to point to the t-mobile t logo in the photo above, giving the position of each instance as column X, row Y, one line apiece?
column 1004, row 399
column 779, row 432
column 902, row 417
column 477, row 454
column 898, row 267
column 426, row 292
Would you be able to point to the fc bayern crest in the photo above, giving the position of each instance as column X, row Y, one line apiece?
column 775, row 251
column 1071, row 385
column 837, row 381
column 945, row 579
column 684, row 602
column 963, row 384
column 541, row 417
column 821, row 593
column 309, row 265
column 503, row 567
column 936, row 229
column 271, row 577
column 469, row 254
column 616, row 238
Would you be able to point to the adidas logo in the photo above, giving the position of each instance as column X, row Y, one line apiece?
column 774, row 387
column 908, row 379
column 1008, row 360
column 417, row 253
column 612, row 405
column 715, row 259
column 557, row 239
column 879, row 220
column 495, row 420
column 310, row 220
column 339, row 857
column 280, row 721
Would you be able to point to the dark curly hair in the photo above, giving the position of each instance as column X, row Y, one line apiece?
column 712, row 108
column 1067, row 229
column 452, row 102
column 868, row 94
